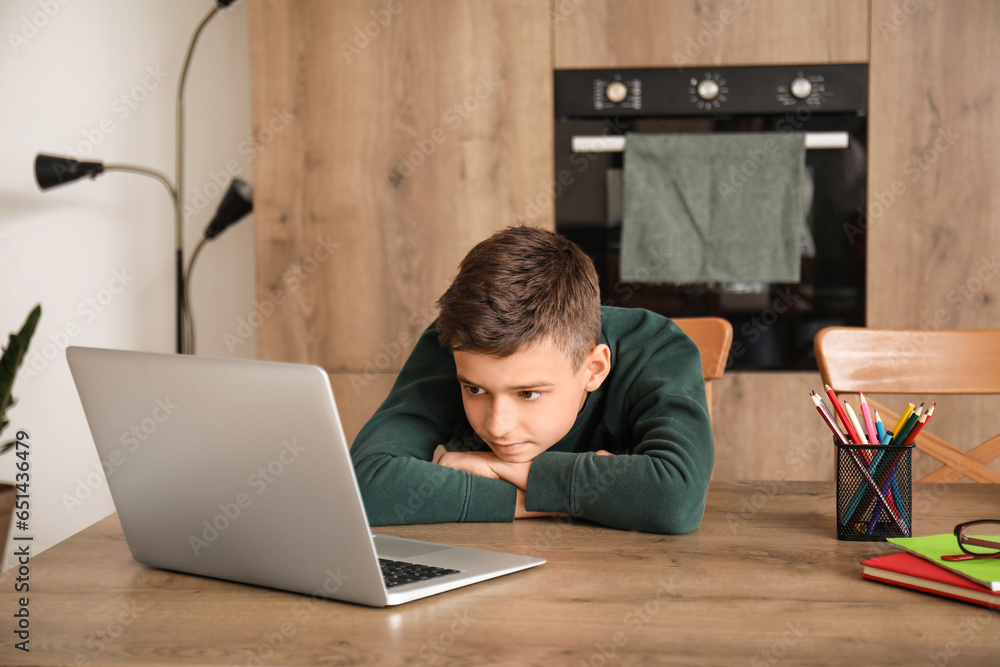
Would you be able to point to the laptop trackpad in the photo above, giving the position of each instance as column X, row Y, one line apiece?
column 398, row 547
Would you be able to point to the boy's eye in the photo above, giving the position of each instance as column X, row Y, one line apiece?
column 472, row 391
column 530, row 395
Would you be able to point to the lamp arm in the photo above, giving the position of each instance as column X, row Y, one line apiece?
column 175, row 189
column 179, row 250
column 179, row 157
column 189, row 311
column 135, row 169
column 182, row 307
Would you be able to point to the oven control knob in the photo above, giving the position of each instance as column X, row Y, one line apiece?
column 616, row 91
column 801, row 87
column 708, row 89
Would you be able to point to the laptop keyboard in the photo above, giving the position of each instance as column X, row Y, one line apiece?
column 397, row 573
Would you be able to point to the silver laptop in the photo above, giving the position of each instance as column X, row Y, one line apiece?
column 239, row 470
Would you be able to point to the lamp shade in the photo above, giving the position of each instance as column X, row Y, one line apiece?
column 51, row 170
column 236, row 204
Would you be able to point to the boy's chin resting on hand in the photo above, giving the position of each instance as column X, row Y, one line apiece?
column 488, row 464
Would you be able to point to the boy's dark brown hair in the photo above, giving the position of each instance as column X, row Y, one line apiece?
column 521, row 286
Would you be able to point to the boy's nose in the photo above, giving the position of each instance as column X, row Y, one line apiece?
column 499, row 422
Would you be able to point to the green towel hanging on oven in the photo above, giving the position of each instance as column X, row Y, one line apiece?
column 713, row 208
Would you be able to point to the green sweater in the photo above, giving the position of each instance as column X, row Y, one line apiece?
column 650, row 412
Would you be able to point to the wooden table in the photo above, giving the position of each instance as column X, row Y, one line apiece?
column 762, row 582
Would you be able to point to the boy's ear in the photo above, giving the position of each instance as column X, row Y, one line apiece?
column 597, row 365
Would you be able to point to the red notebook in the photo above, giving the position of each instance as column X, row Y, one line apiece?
column 914, row 572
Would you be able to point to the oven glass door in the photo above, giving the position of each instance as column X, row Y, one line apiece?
column 773, row 324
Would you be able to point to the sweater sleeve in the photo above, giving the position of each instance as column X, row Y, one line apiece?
column 392, row 453
column 661, row 485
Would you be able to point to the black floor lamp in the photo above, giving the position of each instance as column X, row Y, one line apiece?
column 51, row 171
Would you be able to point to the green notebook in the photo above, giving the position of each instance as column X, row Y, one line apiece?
column 983, row 571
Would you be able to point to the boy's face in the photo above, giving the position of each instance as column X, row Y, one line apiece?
column 523, row 404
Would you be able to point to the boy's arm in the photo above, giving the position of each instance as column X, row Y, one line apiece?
column 487, row 464
column 661, row 486
column 392, row 453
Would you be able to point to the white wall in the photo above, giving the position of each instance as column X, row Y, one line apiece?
column 65, row 66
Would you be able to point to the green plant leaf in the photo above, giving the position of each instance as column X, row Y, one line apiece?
column 13, row 357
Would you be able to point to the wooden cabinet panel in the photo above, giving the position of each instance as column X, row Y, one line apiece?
column 747, row 404
column 358, row 397
column 662, row 33
column 411, row 132
column 654, row 33
column 801, row 447
column 390, row 137
column 933, row 210
column 933, row 236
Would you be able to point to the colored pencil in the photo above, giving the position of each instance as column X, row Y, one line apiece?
column 877, row 490
column 902, row 418
column 860, row 493
column 843, row 417
column 855, row 423
column 822, row 406
column 828, row 418
column 879, row 426
column 866, row 413
column 912, row 436
column 905, row 431
column 878, row 468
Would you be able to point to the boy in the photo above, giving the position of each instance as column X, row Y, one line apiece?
column 529, row 382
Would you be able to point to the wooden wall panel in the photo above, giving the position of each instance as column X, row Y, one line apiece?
column 933, row 212
column 415, row 130
column 933, row 208
column 360, row 224
column 648, row 33
column 766, row 428
column 358, row 396
column 655, row 33
column 747, row 407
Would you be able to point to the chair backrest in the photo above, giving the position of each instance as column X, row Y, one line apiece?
column 904, row 361
column 713, row 336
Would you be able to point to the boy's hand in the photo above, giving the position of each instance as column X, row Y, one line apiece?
column 521, row 513
column 486, row 464
column 478, row 463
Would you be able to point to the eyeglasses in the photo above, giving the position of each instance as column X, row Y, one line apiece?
column 978, row 539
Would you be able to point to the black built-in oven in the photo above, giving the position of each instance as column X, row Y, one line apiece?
column 774, row 324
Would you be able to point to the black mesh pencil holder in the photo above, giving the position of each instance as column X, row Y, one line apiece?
column 874, row 492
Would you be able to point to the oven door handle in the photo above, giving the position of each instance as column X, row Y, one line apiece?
column 615, row 143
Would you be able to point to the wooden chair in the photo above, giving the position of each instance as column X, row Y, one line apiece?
column 713, row 336
column 900, row 361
